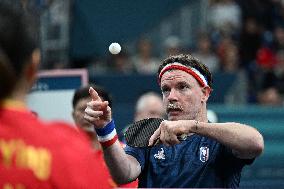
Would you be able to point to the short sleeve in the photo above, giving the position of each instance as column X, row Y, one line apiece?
column 138, row 153
column 228, row 154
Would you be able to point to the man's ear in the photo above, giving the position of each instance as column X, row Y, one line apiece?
column 206, row 93
column 32, row 67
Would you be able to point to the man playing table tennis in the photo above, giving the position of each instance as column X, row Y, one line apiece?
column 212, row 155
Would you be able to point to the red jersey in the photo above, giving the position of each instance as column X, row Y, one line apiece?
column 34, row 154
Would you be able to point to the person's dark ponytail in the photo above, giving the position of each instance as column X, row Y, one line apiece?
column 18, row 40
column 7, row 76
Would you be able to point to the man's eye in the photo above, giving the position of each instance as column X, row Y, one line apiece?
column 165, row 90
column 183, row 87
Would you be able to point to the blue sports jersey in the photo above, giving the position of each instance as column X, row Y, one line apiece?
column 196, row 162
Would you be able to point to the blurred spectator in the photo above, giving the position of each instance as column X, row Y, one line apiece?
column 279, row 37
column 279, row 72
column 229, row 55
column 261, row 11
column 172, row 46
column 212, row 116
column 265, row 58
column 269, row 78
column 270, row 97
column 205, row 54
column 262, row 76
column 79, row 102
column 250, row 42
column 230, row 62
column 225, row 16
column 149, row 105
column 144, row 62
column 273, row 77
column 278, row 12
column 120, row 63
column 97, row 66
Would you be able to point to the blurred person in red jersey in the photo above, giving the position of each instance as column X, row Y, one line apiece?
column 271, row 79
column 35, row 154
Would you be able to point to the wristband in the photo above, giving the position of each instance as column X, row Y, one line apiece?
column 107, row 135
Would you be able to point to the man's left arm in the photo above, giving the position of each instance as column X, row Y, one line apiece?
column 245, row 141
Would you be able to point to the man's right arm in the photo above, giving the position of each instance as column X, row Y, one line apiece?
column 124, row 168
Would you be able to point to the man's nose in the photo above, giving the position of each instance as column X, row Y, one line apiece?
column 172, row 95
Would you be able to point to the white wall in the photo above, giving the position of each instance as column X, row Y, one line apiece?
column 52, row 94
column 52, row 105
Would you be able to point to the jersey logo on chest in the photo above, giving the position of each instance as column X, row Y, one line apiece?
column 160, row 154
column 203, row 153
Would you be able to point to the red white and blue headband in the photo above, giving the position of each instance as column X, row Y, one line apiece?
column 192, row 71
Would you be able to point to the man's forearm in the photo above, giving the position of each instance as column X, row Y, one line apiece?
column 245, row 141
column 123, row 168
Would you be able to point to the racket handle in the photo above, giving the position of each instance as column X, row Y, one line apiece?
column 182, row 137
column 157, row 141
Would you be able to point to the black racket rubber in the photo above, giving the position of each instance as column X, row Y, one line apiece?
column 139, row 133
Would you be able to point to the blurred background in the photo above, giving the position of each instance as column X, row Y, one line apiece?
column 241, row 41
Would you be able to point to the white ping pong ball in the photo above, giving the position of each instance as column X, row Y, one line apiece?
column 114, row 48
